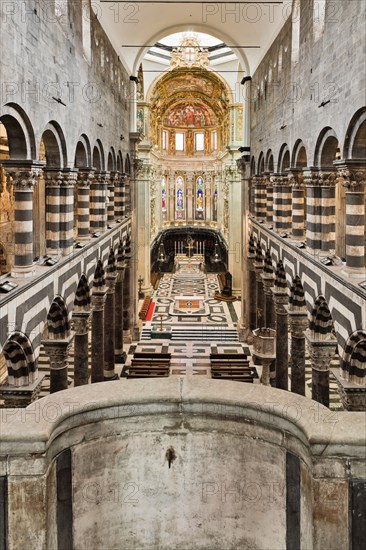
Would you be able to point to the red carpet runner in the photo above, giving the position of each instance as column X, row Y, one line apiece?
column 150, row 312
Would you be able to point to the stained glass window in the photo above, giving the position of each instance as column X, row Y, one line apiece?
column 200, row 198
column 215, row 197
column 179, row 194
column 163, row 194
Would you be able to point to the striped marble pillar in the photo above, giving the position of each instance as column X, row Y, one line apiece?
column 286, row 205
column 84, row 181
column 260, row 199
column 109, row 319
column 313, row 212
column 354, row 180
column 24, row 175
column 98, row 196
column 68, row 183
column 269, row 212
column 298, row 324
column 97, row 340
column 111, row 197
column 277, row 202
column 119, row 354
column 298, row 203
column 53, row 181
column 327, row 181
column 280, row 296
column 127, row 194
column 118, row 197
column 258, row 265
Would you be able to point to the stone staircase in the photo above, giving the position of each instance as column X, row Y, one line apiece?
column 199, row 333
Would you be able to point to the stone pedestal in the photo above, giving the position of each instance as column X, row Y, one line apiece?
column 264, row 347
column 81, row 349
column 353, row 397
column 58, row 353
column 20, row 397
column 321, row 354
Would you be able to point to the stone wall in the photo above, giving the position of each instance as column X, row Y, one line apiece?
column 47, row 56
column 250, row 467
column 287, row 94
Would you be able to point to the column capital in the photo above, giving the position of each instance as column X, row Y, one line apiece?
column 241, row 165
column 295, row 178
column 280, row 299
column 110, row 281
column 321, row 351
column 298, row 322
column 85, row 177
column 353, row 178
column 23, row 172
column 314, row 177
column 277, row 180
column 98, row 299
column 81, row 322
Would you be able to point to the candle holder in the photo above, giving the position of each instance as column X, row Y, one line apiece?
column 140, row 281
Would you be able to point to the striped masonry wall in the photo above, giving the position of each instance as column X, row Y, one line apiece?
column 23, row 227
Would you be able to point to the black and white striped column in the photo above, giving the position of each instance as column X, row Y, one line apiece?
column 260, row 198
column 277, row 202
column 298, row 204
column 268, row 280
column 354, row 181
column 25, row 175
column 127, row 194
column 118, row 197
column 286, row 205
column 84, row 180
column 127, row 299
column 298, row 324
column 313, row 212
column 69, row 178
column 328, row 181
column 111, row 197
column 53, row 182
column 269, row 216
column 120, row 355
column 98, row 196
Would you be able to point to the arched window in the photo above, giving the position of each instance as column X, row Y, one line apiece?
column 180, row 199
column 200, row 199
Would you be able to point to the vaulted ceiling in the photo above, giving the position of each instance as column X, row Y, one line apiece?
column 248, row 28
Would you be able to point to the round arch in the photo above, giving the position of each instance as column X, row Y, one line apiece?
column 98, row 156
column 21, row 139
column 283, row 158
column 260, row 168
column 20, row 360
column 299, row 157
column 55, row 145
column 269, row 161
column 355, row 142
column 326, row 148
column 83, row 152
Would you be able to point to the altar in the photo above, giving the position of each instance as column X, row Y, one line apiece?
column 188, row 306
